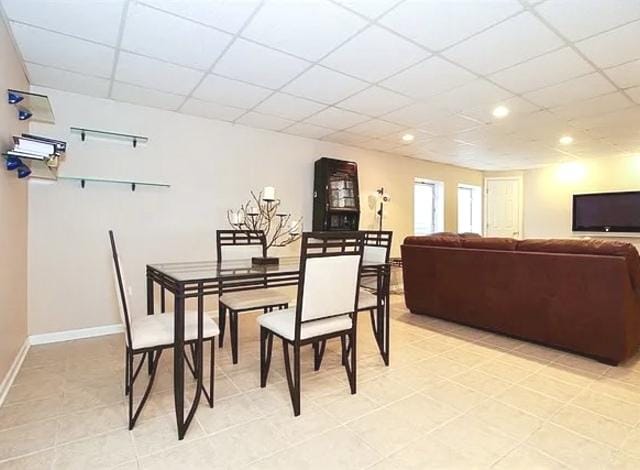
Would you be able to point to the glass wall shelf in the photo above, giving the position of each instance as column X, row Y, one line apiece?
column 84, row 179
column 134, row 139
column 31, row 106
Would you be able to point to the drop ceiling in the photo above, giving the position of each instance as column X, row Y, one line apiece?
column 361, row 72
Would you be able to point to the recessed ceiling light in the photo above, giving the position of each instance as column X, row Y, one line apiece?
column 500, row 112
column 566, row 140
column 408, row 138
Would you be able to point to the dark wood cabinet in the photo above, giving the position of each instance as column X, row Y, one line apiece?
column 336, row 196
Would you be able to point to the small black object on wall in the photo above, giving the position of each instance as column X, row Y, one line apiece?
column 336, row 195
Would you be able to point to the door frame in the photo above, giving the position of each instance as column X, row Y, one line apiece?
column 485, row 199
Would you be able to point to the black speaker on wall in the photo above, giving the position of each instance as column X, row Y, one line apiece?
column 336, row 196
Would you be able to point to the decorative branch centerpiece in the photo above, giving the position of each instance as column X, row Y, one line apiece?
column 263, row 212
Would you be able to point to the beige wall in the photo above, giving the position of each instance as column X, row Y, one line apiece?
column 13, row 217
column 211, row 166
column 548, row 191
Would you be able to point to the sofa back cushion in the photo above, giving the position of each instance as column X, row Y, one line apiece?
column 490, row 243
column 434, row 240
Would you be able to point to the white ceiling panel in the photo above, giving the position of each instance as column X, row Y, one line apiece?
column 472, row 95
column 615, row 47
column 543, row 71
column 259, row 65
column 450, row 125
column 625, row 75
column 429, row 78
column 439, row 24
column 376, row 128
column 145, row 96
column 308, row 130
column 155, row 74
column 46, row 48
column 578, row 19
column 262, row 121
column 381, row 145
column 230, row 92
column 346, row 138
column 511, row 42
column 68, row 81
column 324, row 85
column 334, row 118
column 369, row 8
column 598, row 105
column 374, row 54
column 515, row 106
column 228, row 15
column 167, row 37
column 415, row 114
column 571, row 90
column 210, row 110
column 289, row 107
column 306, row 28
column 375, row 101
column 97, row 20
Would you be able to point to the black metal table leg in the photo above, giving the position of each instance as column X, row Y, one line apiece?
column 150, row 311
column 178, row 362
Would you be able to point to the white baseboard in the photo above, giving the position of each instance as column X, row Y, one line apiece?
column 13, row 370
column 76, row 334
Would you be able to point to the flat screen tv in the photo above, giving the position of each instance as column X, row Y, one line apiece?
column 607, row 212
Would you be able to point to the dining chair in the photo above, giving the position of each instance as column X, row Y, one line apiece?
column 243, row 245
column 377, row 248
column 149, row 335
column 327, row 301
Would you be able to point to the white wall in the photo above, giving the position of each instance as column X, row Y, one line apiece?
column 211, row 167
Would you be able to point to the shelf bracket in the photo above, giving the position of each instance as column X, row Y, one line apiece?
column 133, row 186
column 135, row 142
column 82, row 183
column 83, row 135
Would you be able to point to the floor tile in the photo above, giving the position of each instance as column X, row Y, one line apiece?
column 28, row 438
column 104, row 451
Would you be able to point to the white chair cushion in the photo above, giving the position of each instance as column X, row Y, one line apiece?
column 149, row 331
column 283, row 323
column 367, row 300
column 254, row 299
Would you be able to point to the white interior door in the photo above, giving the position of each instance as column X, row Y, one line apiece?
column 503, row 207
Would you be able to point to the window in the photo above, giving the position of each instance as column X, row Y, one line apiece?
column 428, row 206
column 469, row 208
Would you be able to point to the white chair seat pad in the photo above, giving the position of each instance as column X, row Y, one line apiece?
column 254, row 299
column 150, row 331
column 283, row 323
column 367, row 300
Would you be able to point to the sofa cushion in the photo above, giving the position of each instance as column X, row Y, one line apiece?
column 444, row 234
column 470, row 235
column 490, row 243
column 431, row 240
column 589, row 247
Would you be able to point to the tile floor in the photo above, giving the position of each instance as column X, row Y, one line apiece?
column 453, row 397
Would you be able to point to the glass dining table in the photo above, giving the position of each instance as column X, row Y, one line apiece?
column 199, row 279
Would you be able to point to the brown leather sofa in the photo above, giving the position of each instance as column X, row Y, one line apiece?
column 577, row 295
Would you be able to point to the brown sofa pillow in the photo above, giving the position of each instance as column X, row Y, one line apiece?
column 490, row 243
column 431, row 240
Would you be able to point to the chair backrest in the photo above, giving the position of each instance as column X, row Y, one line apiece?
column 240, row 244
column 120, row 287
column 330, row 264
column 377, row 246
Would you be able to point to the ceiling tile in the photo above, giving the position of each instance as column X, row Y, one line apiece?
column 308, row 130
column 259, row 65
column 472, row 95
column 376, row 128
column 450, row 125
column 375, row 101
column 57, row 50
column 414, row 115
column 145, row 96
column 369, row 8
column 542, row 71
column 374, row 54
column 429, row 78
column 382, row 145
column 613, row 48
column 598, row 105
column 263, row 121
column 345, row 138
column 99, row 21
column 625, row 75
column 438, row 24
column 515, row 106
column 306, row 28
column 338, row 119
column 577, row 19
column 573, row 90
column 209, row 110
column 230, row 92
column 167, row 37
column 289, row 107
column 509, row 43
column 68, row 81
column 228, row 15
column 635, row 94
column 324, row 85
column 155, row 74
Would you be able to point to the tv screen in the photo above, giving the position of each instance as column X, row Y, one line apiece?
column 607, row 212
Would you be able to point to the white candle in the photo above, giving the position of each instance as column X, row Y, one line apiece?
column 252, row 211
column 269, row 193
column 234, row 218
